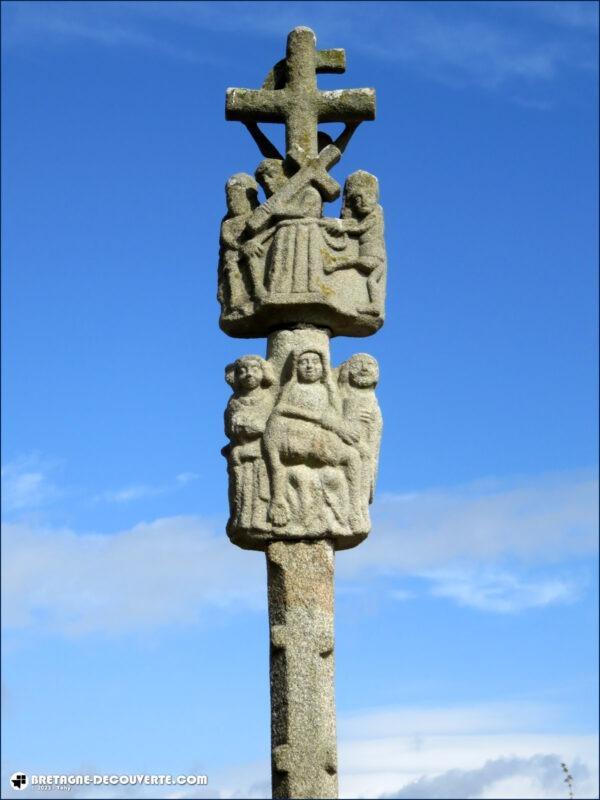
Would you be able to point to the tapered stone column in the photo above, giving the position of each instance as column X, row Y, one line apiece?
column 303, row 735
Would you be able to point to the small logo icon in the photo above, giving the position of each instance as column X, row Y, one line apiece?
column 18, row 780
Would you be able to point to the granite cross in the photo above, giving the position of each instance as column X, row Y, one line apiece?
column 299, row 103
column 304, row 435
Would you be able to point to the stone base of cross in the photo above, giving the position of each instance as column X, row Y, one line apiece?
column 303, row 735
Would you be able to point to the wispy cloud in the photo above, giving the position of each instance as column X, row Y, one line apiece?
column 499, row 590
column 479, row 718
column 185, row 477
column 105, row 25
column 171, row 570
column 31, row 482
column 142, row 491
column 484, row 44
column 490, row 546
column 166, row 572
column 26, row 483
column 537, row 520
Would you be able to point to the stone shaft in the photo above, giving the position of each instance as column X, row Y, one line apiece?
column 303, row 735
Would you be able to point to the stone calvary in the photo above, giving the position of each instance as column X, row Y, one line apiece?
column 304, row 435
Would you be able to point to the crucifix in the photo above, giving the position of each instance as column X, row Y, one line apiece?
column 304, row 435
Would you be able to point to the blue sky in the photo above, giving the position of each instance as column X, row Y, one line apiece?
column 135, row 635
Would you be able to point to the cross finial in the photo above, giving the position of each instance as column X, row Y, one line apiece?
column 298, row 103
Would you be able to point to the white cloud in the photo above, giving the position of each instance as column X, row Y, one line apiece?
column 539, row 520
column 537, row 776
column 501, row 591
column 128, row 493
column 490, row 546
column 413, row 722
column 486, row 750
column 26, row 484
column 168, row 571
column 186, row 477
column 171, row 570
column 141, row 491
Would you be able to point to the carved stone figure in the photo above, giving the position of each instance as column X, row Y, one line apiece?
column 295, row 255
column 291, row 243
column 304, row 443
column 362, row 219
column 358, row 378
column 235, row 290
column 296, row 266
column 307, row 429
column 245, row 419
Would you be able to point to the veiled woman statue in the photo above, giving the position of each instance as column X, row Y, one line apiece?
column 310, row 451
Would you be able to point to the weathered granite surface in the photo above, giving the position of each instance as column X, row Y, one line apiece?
column 304, row 435
column 282, row 262
column 304, row 443
column 303, row 736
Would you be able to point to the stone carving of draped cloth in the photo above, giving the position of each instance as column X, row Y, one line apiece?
column 294, row 263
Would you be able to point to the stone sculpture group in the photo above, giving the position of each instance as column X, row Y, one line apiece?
column 304, row 444
column 304, row 435
column 284, row 254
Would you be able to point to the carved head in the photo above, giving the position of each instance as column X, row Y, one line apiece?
column 309, row 367
column 248, row 373
column 360, row 371
column 270, row 173
column 361, row 193
column 241, row 191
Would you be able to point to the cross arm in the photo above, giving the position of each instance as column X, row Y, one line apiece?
column 255, row 105
column 331, row 60
column 346, row 105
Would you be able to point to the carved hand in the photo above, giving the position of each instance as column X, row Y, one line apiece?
column 252, row 249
